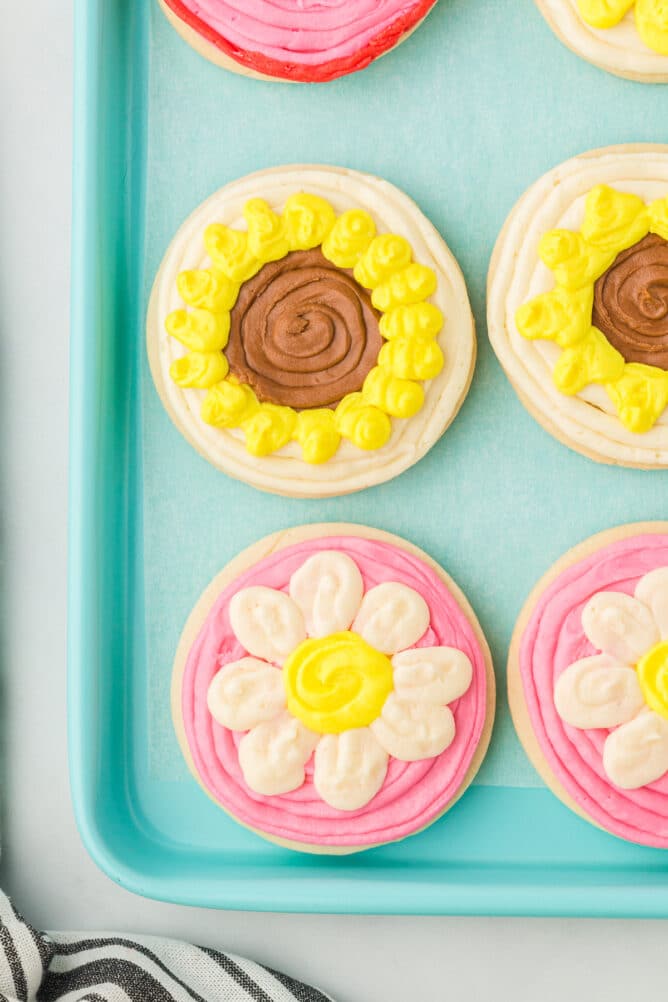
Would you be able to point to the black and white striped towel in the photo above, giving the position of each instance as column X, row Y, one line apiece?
column 64, row 967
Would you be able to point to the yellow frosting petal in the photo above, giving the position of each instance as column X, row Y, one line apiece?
column 199, row 369
column 591, row 360
column 418, row 320
column 658, row 217
column 308, row 219
column 208, row 289
column 574, row 262
column 348, row 239
column 199, row 330
column 366, row 426
column 412, row 357
column 317, row 434
column 401, row 398
column 640, row 396
column 561, row 315
column 385, row 255
column 267, row 240
column 227, row 405
column 229, row 251
column 411, row 285
column 652, row 22
column 269, row 429
column 604, row 13
column 613, row 220
column 337, row 683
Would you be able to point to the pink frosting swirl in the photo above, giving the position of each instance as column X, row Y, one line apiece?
column 414, row 793
column 554, row 639
column 302, row 39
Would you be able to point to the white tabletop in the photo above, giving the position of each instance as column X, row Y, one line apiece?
column 44, row 866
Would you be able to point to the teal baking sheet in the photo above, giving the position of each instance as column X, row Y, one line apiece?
column 463, row 116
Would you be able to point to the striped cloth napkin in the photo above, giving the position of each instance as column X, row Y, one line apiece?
column 64, row 967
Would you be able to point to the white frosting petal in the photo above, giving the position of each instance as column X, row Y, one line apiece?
column 328, row 589
column 413, row 731
column 244, row 693
column 619, row 625
column 267, row 623
column 652, row 589
column 431, row 674
column 392, row 617
column 349, row 768
column 637, row 753
column 272, row 756
column 597, row 692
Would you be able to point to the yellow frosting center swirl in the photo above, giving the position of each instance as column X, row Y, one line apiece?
column 653, row 678
column 337, row 682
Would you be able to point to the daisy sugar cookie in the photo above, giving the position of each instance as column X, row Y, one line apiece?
column 578, row 303
column 309, row 332
column 625, row 37
column 333, row 690
column 308, row 41
column 588, row 681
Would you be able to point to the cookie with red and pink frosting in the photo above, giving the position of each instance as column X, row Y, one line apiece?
column 588, row 681
column 307, row 41
column 333, row 690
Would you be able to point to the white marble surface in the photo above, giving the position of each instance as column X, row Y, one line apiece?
column 44, row 865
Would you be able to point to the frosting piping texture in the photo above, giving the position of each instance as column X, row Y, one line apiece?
column 592, row 260
column 631, row 302
column 303, row 332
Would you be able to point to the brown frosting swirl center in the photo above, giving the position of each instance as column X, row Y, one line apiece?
column 631, row 302
column 303, row 332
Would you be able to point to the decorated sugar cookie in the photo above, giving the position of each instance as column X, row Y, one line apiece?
column 309, row 331
column 588, row 681
column 333, row 690
column 295, row 40
column 625, row 37
column 578, row 303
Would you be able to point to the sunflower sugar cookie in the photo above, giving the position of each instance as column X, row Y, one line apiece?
column 309, row 332
column 578, row 303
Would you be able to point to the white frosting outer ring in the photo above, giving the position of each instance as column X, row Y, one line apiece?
column 619, row 50
column 587, row 422
column 351, row 469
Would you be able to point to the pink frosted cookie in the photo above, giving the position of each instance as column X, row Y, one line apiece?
column 299, row 40
column 333, row 690
column 588, row 681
